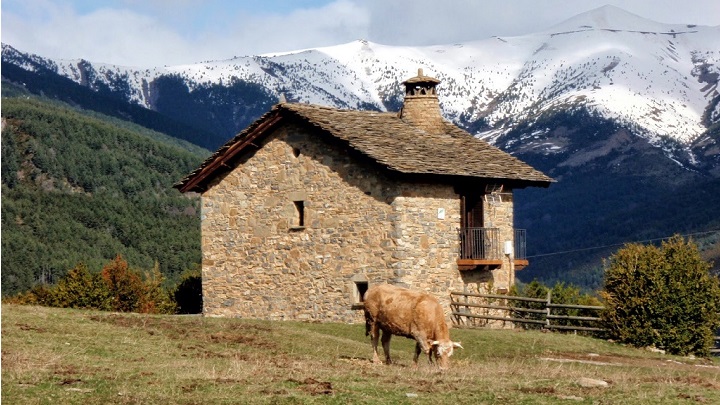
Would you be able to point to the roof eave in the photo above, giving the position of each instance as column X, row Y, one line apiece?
column 220, row 160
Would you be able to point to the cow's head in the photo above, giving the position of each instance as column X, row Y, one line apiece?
column 442, row 350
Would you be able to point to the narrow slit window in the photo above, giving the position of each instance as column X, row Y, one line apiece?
column 300, row 208
column 360, row 288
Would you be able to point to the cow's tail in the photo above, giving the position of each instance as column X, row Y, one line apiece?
column 368, row 324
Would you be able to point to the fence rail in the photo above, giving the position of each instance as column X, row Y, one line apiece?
column 500, row 308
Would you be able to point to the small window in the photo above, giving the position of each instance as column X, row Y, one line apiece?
column 296, row 152
column 361, row 288
column 300, row 208
column 358, row 287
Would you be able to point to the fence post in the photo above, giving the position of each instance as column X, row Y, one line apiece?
column 467, row 309
column 547, row 309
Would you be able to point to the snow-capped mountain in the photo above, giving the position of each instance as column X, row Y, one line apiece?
column 624, row 112
column 659, row 79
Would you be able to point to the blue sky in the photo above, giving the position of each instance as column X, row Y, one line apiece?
column 170, row 32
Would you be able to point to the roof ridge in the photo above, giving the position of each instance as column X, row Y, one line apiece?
column 385, row 138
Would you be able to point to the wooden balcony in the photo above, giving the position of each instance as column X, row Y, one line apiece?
column 481, row 247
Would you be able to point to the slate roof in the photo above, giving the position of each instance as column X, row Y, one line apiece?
column 385, row 138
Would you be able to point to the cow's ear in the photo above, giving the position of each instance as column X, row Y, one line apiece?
column 457, row 344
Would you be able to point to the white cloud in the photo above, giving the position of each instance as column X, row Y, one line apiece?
column 105, row 35
column 426, row 22
column 170, row 32
column 127, row 37
column 338, row 22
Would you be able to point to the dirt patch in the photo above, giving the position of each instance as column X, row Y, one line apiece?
column 696, row 398
column 241, row 339
column 433, row 385
column 247, row 336
column 26, row 327
column 581, row 361
column 70, row 381
column 313, row 386
column 538, row 390
column 274, row 392
column 65, row 370
column 692, row 380
column 189, row 387
column 228, row 381
column 619, row 360
column 203, row 352
column 152, row 326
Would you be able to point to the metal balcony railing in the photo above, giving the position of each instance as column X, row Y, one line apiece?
column 521, row 244
column 479, row 243
column 484, row 244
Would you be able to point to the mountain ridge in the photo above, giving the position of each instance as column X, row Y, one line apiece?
column 660, row 79
column 627, row 120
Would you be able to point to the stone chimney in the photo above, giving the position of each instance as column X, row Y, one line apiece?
column 421, row 107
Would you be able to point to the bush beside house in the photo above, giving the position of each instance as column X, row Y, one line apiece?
column 117, row 288
column 663, row 297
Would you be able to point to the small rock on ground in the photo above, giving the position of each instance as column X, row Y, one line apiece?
column 592, row 383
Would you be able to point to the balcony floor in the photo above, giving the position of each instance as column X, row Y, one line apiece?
column 470, row 264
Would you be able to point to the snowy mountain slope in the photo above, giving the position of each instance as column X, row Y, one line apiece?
column 659, row 80
column 623, row 112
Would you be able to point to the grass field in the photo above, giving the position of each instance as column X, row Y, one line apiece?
column 54, row 356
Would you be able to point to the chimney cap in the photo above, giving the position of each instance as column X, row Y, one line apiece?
column 421, row 78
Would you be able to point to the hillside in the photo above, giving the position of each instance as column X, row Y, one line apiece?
column 611, row 189
column 42, row 80
column 77, row 188
column 73, row 356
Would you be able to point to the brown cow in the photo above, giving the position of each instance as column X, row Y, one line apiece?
column 412, row 314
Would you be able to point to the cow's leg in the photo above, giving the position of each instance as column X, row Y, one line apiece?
column 418, row 349
column 374, row 330
column 386, row 345
column 422, row 342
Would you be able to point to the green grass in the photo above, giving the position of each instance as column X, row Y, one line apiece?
column 85, row 357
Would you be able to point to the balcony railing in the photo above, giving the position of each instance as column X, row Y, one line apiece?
column 520, row 244
column 484, row 244
column 479, row 243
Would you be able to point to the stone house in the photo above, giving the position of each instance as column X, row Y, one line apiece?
column 309, row 206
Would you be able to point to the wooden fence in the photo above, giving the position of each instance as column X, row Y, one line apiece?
column 470, row 309
column 478, row 310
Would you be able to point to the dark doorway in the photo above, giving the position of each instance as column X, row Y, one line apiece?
column 472, row 210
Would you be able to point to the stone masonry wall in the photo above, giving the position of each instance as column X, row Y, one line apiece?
column 359, row 225
column 427, row 240
column 257, row 261
column 498, row 212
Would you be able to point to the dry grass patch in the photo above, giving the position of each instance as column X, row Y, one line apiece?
column 69, row 356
